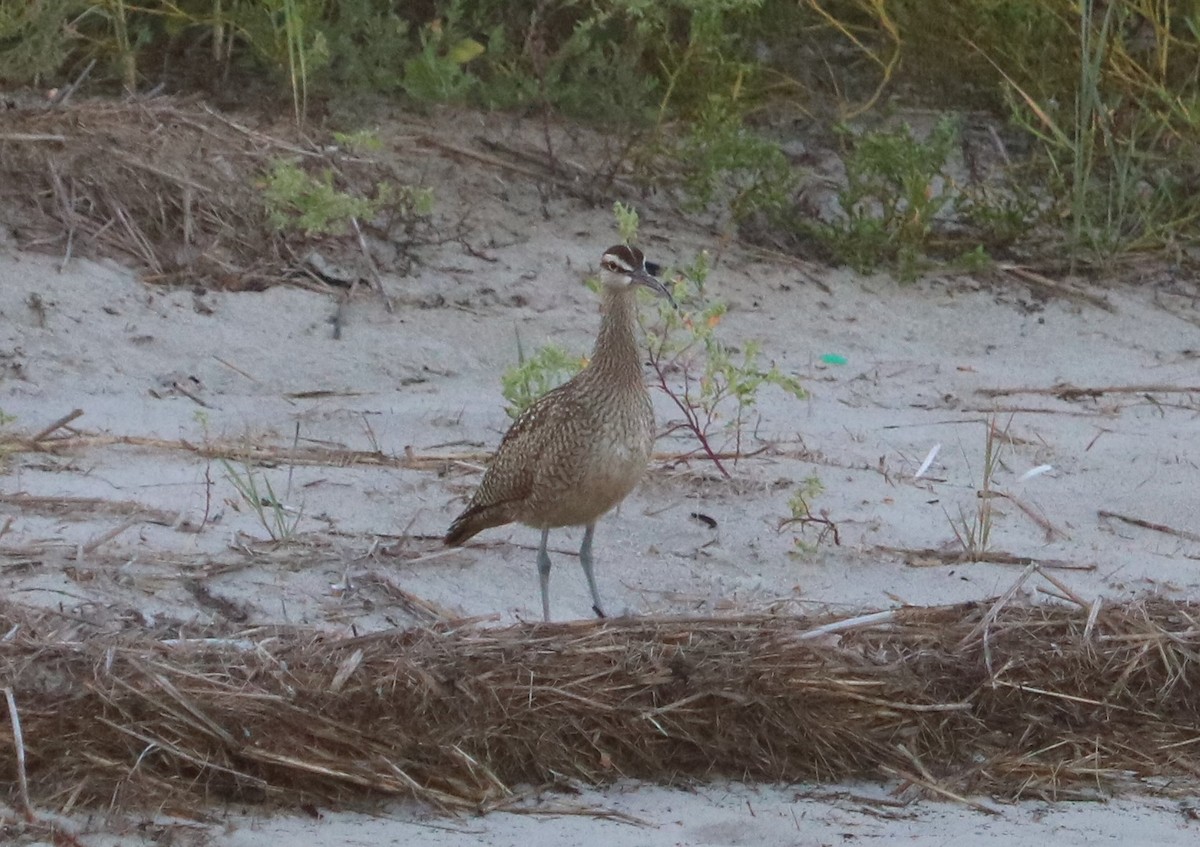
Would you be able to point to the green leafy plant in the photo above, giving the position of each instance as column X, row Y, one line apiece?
column 549, row 367
column 298, row 200
column 800, row 505
column 725, row 160
column 32, row 42
column 438, row 73
column 896, row 187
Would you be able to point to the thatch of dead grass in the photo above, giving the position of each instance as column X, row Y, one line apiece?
column 169, row 184
column 1014, row 700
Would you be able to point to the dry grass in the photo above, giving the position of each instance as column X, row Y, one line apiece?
column 169, row 185
column 1047, row 700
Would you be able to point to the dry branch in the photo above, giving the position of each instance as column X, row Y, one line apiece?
column 1015, row 700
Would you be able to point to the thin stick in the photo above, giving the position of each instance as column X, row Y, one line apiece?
column 63, row 96
column 1061, row 586
column 850, row 623
column 1036, row 280
column 19, row 746
column 375, row 277
column 913, row 558
column 1000, row 603
column 58, row 424
column 1052, row 532
column 1070, row 392
column 929, row 785
column 1144, row 524
column 105, row 537
column 1093, row 614
column 32, row 137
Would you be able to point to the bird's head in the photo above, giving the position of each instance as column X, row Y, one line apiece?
column 623, row 266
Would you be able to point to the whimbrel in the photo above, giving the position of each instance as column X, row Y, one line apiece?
column 578, row 450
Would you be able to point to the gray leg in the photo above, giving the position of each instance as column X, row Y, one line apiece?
column 585, row 559
column 543, row 562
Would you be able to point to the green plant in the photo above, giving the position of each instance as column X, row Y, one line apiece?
column 725, row 160
column 33, row 44
column 800, row 505
column 437, row 73
column 1121, row 152
column 362, row 47
column 279, row 521
column 526, row 381
column 298, row 200
column 628, row 222
column 359, row 141
column 896, row 187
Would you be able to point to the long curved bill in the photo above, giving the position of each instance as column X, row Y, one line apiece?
column 645, row 278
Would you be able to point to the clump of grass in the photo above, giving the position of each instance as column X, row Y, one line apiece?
column 972, row 528
column 255, row 490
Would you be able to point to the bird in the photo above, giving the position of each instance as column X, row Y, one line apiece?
column 578, row 450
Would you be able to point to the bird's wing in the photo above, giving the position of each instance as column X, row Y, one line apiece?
column 539, row 438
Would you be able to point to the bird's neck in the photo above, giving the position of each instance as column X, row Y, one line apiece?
column 616, row 352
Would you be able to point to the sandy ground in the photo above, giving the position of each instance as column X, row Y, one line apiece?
column 263, row 368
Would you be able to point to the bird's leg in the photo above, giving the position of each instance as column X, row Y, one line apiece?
column 543, row 562
column 585, row 559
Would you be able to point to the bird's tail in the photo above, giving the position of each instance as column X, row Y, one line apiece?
column 473, row 521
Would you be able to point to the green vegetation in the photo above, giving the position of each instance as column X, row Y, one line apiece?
column 297, row 200
column 1099, row 103
column 800, row 504
column 533, row 376
column 896, row 187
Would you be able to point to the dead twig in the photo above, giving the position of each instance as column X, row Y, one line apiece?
column 1150, row 525
column 57, row 424
column 1056, row 287
column 924, row 557
column 1066, row 391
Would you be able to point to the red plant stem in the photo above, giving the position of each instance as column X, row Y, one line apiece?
column 689, row 415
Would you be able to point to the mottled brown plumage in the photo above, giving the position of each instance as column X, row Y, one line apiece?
column 577, row 451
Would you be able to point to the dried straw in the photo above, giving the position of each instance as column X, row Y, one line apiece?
column 1014, row 700
column 169, row 184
